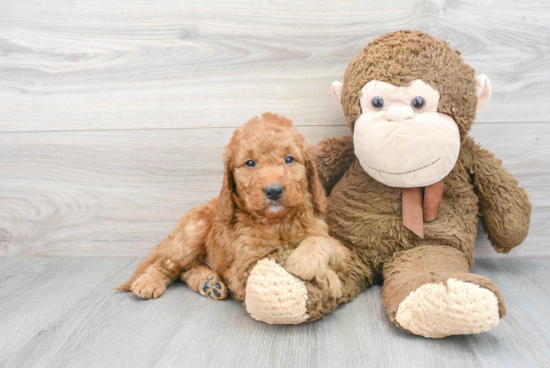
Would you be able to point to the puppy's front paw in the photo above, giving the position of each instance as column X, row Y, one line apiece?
column 306, row 265
column 312, row 261
column 147, row 287
column 315, row 270
column 331, row 283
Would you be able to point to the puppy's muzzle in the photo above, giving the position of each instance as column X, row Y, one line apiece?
column 274, row 192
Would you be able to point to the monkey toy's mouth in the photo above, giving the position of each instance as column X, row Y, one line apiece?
column 415, row 153
column 405, row 172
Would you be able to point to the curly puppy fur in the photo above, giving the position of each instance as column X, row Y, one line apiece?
column 243, row 225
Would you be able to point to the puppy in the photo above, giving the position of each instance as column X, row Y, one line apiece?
column 271, row 205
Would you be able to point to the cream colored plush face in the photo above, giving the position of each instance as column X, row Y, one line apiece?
column 400, row 146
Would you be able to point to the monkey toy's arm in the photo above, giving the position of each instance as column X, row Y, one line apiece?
column 505, row 209
column 333, row 157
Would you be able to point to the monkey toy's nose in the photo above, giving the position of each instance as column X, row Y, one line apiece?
column 399, row 113
column 274, row 192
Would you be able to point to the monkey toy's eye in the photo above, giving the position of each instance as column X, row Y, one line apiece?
column 250, row 163
column 418, row 103
column 377, row 102
column 289, row 159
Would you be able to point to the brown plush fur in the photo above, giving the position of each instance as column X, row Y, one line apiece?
column 401, row 57
column 366, row 215
column 240, row 227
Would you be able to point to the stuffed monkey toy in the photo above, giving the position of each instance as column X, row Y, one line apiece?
column 406, row 190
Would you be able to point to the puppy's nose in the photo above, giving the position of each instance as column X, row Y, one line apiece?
column 274, row 192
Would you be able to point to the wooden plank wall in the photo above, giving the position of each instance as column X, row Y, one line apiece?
column 114, row 114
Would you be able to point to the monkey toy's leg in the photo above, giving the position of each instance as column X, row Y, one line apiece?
column 275, row 296
column 183, row 249
column 205, row 281
column 429, row 291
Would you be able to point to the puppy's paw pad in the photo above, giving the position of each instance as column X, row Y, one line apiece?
column 214, row 289
column 439, row 310
column 147, row 287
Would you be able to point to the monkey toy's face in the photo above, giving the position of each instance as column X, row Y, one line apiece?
column 400, row 139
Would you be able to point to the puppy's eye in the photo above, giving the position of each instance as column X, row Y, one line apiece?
column 418, row 103
column 377, row 102
column 250, row 163
column 289, row 160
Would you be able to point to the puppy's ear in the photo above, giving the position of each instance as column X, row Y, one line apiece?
column 315, row 186
column 225, row 206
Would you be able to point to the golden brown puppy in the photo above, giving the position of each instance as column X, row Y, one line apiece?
column 271, row 204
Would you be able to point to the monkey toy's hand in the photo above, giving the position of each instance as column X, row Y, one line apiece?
column 505, row 210
column 333, row 157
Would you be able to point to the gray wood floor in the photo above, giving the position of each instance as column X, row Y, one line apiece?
column 61, row 312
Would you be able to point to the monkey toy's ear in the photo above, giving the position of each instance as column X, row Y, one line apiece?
column 337, row 88
column 483, row 91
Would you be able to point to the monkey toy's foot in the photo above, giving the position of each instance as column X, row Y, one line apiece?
column 429, row 291
column 275, row 296
column 457, row 308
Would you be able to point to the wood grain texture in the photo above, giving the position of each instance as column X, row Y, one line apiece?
column 37, row 292
column 119, row 193
column 114, row 115
column 84, row 65
column 61, row 312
